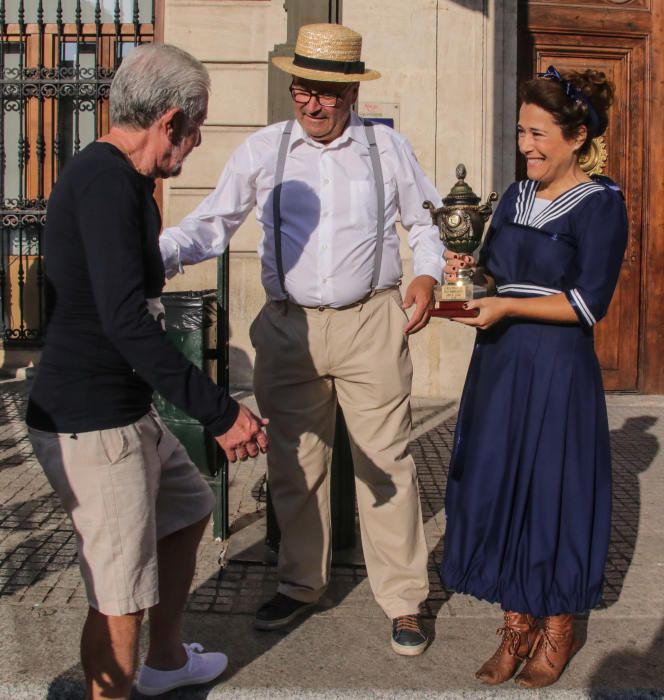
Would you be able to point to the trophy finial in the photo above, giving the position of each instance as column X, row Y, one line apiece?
column 461, row 193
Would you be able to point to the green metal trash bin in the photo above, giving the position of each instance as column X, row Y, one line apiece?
column 342, row 495
column 192, row 326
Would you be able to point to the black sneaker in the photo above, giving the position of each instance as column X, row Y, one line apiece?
column 279, row 612
column 408, row 635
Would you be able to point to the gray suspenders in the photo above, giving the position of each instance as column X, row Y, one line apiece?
column 380, row 202
column 276, row 203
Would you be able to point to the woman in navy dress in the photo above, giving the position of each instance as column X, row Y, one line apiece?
column 528, row 500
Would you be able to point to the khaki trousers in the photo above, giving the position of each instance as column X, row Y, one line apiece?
column 306, row 359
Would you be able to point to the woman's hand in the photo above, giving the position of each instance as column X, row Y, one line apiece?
column 492, row 310
column 455, row 262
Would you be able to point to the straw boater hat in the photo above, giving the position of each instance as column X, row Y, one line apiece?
column 327, row 52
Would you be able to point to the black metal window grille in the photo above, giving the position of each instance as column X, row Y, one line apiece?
column 57, row 60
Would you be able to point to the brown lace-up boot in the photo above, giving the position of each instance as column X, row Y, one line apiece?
column 519, row 633
column 554, row 647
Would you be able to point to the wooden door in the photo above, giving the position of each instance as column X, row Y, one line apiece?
column 614, row 36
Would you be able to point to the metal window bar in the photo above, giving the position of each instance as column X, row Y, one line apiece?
column 219, row 485
column 53, row 101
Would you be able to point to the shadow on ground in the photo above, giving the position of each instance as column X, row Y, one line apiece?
column 37, row 547
column 633, row 450
column 628, row 668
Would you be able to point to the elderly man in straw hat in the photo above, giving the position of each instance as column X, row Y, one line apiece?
column 328, row 189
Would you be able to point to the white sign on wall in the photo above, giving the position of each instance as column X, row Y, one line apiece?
column 381, row 112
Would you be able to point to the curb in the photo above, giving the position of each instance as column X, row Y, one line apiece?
column 21, row 373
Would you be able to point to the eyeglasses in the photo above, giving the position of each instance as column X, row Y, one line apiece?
column 325, row 99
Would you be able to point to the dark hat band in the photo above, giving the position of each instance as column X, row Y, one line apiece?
column 346, row 67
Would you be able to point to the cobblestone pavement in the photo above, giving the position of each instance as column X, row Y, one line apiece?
column 38, row 561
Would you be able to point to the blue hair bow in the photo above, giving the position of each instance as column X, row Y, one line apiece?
column 575, row 95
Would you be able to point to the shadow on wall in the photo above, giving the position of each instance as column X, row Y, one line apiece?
column 474, row 5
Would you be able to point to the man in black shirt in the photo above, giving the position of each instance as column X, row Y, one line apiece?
column 138, row 504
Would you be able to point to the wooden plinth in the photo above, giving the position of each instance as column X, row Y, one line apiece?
column 454, row 309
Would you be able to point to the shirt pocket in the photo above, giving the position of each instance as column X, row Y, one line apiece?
column 362, row 212
column 364, row 203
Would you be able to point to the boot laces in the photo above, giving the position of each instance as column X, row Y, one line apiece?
column 407, row 623
column 511, row 640
column 546, row 639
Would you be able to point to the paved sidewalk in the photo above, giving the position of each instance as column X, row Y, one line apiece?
column 342, row 650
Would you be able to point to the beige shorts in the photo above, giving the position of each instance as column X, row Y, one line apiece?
column 124, row 489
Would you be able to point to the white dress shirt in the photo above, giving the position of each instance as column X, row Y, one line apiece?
column 328, row 214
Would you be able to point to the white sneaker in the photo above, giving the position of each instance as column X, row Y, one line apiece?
column 200, row 668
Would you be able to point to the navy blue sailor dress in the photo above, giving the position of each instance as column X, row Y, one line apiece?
column 528, row 501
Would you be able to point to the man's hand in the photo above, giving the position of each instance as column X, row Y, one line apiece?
column 245, row 438
column 420, row 293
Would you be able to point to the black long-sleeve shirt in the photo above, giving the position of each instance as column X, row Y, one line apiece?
column 104, row 353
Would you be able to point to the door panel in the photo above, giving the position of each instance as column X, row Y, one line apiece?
column 616, row 337
column 623, row 59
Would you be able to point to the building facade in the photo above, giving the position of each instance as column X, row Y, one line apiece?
column 444, row 68
column 450, row 70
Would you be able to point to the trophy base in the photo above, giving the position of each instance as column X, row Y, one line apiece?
column 454, row 309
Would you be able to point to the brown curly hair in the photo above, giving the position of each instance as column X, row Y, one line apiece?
column 571, row 114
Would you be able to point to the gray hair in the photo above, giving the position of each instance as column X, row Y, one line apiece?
column 154, row 78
